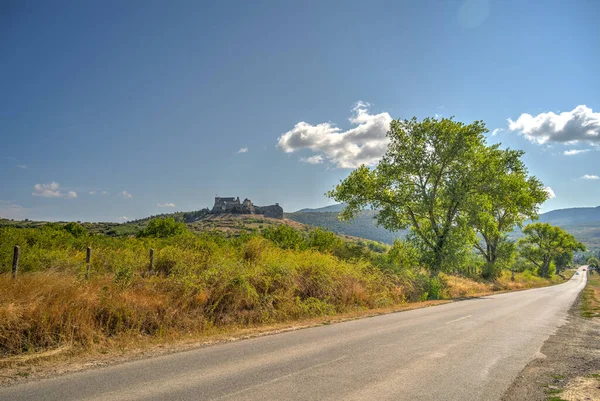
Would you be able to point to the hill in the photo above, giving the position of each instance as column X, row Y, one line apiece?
column 583, row 222
column 572, row 216
column 362, row 226
column 332, row 208
column 200, row 221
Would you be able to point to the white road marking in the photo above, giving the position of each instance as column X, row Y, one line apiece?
column 460, row 318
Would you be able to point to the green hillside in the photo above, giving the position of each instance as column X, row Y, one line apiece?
column 582, row 222
column 362, row 226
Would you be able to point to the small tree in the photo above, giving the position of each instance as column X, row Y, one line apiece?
column 544, row 243
column 163, row 228
column 424, row 181
column 593, row 262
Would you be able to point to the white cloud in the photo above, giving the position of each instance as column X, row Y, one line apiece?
column 364, row 144
column 579, row 125
column 496, row 131
column 92, row 193
column 573, row 152
column 589, row 177
column 551, row 194
column 123, row 218
column 23, row 166
column 52, row 190
column 243, row 150
column 167, row 204
column 126, row 195
column 316, row 159
column 105, row 193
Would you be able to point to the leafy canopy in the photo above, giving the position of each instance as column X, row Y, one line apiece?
column 593, row 262
column 506, row 198
column 424, row 181
column 544, row 243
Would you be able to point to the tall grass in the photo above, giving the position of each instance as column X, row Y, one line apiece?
column 199, row 283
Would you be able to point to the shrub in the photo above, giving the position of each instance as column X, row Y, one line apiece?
column 75, row 229
column 285, row 237
column 163, row 228
column 322, row 240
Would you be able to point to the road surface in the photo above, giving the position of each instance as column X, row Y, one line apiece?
column 467, row 350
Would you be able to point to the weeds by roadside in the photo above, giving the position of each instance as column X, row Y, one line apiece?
column 590, row 297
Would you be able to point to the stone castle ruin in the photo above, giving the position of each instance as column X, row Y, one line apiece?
column 234, row 206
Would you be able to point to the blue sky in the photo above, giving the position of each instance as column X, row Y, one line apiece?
column 112, row 110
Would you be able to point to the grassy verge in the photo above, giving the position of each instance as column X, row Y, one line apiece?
column 590, row 297
column 53, row 315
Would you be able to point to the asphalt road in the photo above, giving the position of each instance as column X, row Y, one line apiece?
column 467, row 350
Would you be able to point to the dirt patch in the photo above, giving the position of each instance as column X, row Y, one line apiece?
column 582, row 389
column 569, row 367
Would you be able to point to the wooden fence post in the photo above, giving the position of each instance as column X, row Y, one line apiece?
column 88, row 261
column 512, row 277
column 151, row 270
column 15, row 265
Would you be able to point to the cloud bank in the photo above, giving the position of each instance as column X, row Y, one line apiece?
column 166, row 204
column 578, row 125
column 364, row 144
column 52, row 190
column 589, row 177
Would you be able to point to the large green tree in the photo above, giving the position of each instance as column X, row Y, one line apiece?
column 544, row 243
column 507, row 197
column 424, row 181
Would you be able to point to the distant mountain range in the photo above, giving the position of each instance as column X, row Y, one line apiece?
column 583, row 222
column 572, row 216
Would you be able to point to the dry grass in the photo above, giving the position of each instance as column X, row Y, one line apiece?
column 205, row 286
column 590, row 297
column 460, row 287
column 197, row 290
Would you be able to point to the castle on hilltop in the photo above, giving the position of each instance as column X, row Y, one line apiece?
column 234, row 206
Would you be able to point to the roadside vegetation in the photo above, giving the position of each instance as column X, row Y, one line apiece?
column 458, row 197
column 590, row 296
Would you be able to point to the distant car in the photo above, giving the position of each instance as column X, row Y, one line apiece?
column 582, row 270
column 576, row 273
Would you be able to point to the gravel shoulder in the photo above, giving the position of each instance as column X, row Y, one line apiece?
column 568, row 368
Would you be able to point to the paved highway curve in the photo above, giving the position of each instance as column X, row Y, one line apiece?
column 467, row 350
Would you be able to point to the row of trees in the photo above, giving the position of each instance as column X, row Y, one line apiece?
column 440, row 179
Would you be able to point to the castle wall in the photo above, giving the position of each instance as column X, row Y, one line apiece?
column 232, row 205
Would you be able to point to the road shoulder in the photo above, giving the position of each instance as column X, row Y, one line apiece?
column 569, row 368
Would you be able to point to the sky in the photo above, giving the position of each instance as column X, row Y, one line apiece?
column 116, row 110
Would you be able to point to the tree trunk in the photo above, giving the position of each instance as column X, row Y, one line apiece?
column 544, row 269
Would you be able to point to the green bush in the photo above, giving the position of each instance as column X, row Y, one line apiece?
column 163, row 228
column 75, row 229
column 285, row 237
column 322, row 240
